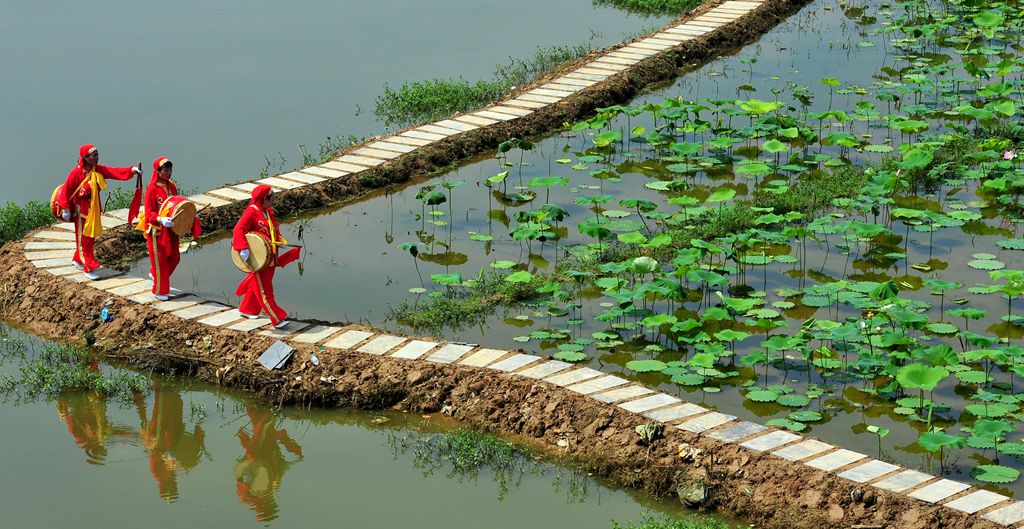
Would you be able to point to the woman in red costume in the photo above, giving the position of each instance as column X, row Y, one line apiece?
column 258, row 287
column 161, row 240
column 80, row 203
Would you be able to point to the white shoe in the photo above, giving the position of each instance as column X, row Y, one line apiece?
column 91, row 275
column 281, row 324
column 151, row 277
column 161, row 297
column 250, row 316
column 77, row 265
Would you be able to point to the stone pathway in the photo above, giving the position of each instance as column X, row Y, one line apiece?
column 52, row 249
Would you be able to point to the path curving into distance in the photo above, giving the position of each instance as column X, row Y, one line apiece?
column 50, row 250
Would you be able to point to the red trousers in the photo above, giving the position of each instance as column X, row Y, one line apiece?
column 83, row 247
column 258, row 289
column 164, row 257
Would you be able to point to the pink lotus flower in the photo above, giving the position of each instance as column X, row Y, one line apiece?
column 1009, row 155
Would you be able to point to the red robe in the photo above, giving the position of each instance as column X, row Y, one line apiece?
column 77, row 197
column 162, row 243
column 258, row 287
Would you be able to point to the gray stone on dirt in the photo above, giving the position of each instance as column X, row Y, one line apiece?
column 903, row 481
column 342, row 167
column 873, row 469
column 102, row 273
column 381, row 344
column 483, row 357
column 939, row 490
column 207, row 200
column 423, row 135
column 248, row 325
column 659, row 400
column 314, row 334
column 198, row 311
column 511, row 110
column 50, row 254
column 222, row 319
column 348, row 339
column 449, row 353
column 545, row 369
column 803, row 450
column 323, row 172
column 414, row 349
column 309, row 178
column 377, row 153
column 63, row 270
column 444, row 131
column 770, row 440
column 130, row 289
column 359, row 160
column 457, row 125
column 495, row 115
column 686, row 409
column 834, row 460
column 475, row 119
column 1011, row 514
column 976, row 501
column 281, row 183
column 692, row 492
column 292, row 328
column 55, row 235
column 228, row 193
column 114, row 282
column 620, row 394
column 575, row 376
column 51, row 263
column 706, row 422
column 734, row 433
column 172, row 305
column 593, row 384
column 50, row 245
column 388, row 146
column 513, row 363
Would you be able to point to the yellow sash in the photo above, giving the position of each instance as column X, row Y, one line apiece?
column 274, row 237
column 93, row 223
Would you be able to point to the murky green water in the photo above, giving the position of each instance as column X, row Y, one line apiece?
column 220, row 86
column 191, row 455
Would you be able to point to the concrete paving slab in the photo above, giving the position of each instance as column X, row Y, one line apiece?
column 676, row 37
column 627, row 61
column 63, row 270
column 731, row 434
column 834, row 460
column 281, row 334
column 172, row 305
column 70, row 226
column 113, row 222
column 449, row 353
column 515, row 111
column 595, row 384
column 939, row 490
column 314, row 334
column 221, row 319
column 525, row 103
column 308, row 178
column 440, row 130
column 343, row 167
column 118, row 213
column 388, row 146
column 873, row 469
column 803, row 450
column 620, row 394
column 206, row 200
column 683, row 29
column 568, row 378
column 495, row 115
column 706, row 422
column 572, row 89
column 698, row 23
column 976, row 501
column 552, row 92
column 675, row 413
column 50, row 245
column 421, row 135
column 582, row 83
column 381, row 344
column 200, row 310
column 635, row 57
column 64, row 254
column 377, row 153
column 546, row 369
column 587, row 76
column 514, row 362
column 475, row 120
column 245, row 187
column 483, row 357
column 594, row 70
column 653, row 402
column 414, row 349
column 228, row 193
column 405, row 140
column 55, row 235
column 359, row 160
column 102, row 273
column 903, row 481
column 1009, row 515
column 142, row 298
column 348, row 339
column 114, row 282
column 660, row 41
column 281, row 183
column 457, row 125
column 770, row 440
column 653, row 46
column 318, row 173
column 248, row 325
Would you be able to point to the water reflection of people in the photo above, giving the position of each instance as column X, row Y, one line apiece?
column 258, row 473
column 170, row 447
column 85, row 415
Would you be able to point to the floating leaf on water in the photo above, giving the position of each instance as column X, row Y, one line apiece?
column 762, row 395
column 942, row 328
column 502, row 265
column 688, row 379
column 983, row 256
column 805, row 416
column 783, row 305
column 521, row 339
column 417, row 290
column 815, row 301
column 521, row 276
column 570, row 356
column 1011, row 244
column 711, row 389
column 788, row 424
column 995, row 473
column 480, row 237
column 563, row 160
column 793, row 401
column 986, row 264
column 646, row 366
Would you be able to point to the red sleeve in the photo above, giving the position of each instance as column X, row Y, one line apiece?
column 114, row 173
column 245, row 224
column 149, row 205
column 72, row 182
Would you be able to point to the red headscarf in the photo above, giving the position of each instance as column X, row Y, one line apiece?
column 85, row 150
column 260, row 193
column 157, row 164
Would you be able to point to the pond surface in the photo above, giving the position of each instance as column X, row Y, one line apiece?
column 190, row 455
column 222, row 86
column 355, row 269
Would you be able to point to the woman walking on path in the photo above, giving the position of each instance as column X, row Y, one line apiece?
column 258, row 287
column 161, row 240
column 80, row 202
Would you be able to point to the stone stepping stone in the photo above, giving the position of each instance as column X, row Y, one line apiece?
column 582, row 83
column 575, row 376
column 674, row 413
column 449, row 353
column 495, row 115
column 904, row 480
column 200, row 310
column 440, row 130
column 70, row 226
column 114, row 282
column 274, row 181
column 513, row 363
column 571, row 89
column 207, row 200
column 621, row 394
column 292, row 328
column 348, row 339
column 50, row 254
column 587, row 76
column 770, row 440
column 706, row 422
column 63, row 271
column 803, row 450
column 405, row 140
column 832, row 461
column 511, row 110
column 634, row 57
column 310, row 178
column 939, row 490
column 1008, row 515
column 421, row 135
column 118, row 213
column 315, row 334
column 551, row 92
column 342, row 167
column 452, row 124
column 628, row 61
column 660, row 41
column 360, row 160
column 222, row 319
column 593, row 385
column 703, row 24
column 976, row 501
column 381, row 344
column 873, row 469
column 50, row 245
column 677, row 37
column 476, row 120
column 724, row 18
column 519, row 102
column 113, row 222
column 102, row 273
column 604, row 64
column 546, row 369
column 483, row 357
column 248, row 325
column 377, row 153
column 396, row 147
column 228, row 193
column 55, row 235
column 659, row 400
column 740, row 431
column 653, row 46
column 172, row 305
column 247, row 187
column 414, row 349
column 593, row 70
column 317, row 174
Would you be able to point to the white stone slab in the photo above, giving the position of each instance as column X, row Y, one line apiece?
column 70, row 226
column 314, row 334
column 114, row 282
column 699, row 23
column 50, row 254
column 118, row 213
column 525, row 104
column 771, row 440
column 359, row 160
column 449, row 353
column 475, row 119
column 381, row 344
column 651, row 46
column 248, row 325
column 200, row 310
column 377, row 153
column 282, row 333
column 551, row 92
column 1011, row 514
column 626, row 61
column 222, row 319
column 444, row 131
column 803, row 450
column 659, row 400
column 101, row 273
column 246, row 187
column 976, row 501
column 834, row 460
column 569, row 378
column 734, row 433
column 308, row 179
column 632, row 53
column 545, row 369
column 229, row 193
column 50, row 245
column 63, row 270
column 55, row 235
column 405, row 140
column 342, row 166
column 674, row 413
column 706, row 422
column 322, row 172
column 620, row 394
column 603, row 64
column 572, row 89
column 594, row 70
column 652, row 41
column 280, row 183
column 598, row 382
column 388, row 146
column 873, row 469
column 903, row 481
column 513, row 363
column 421, row 135
column 483, row 357
column 511, row 110
column 414, row 349
column 939, row 490
column 348, row 339
column 172, row 305
column 457, row 125
column 203, row 200
column 113, row 222
column 495, row 115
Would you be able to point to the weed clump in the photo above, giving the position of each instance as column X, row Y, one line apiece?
column 63, row 368
column 651, row 7
column 16, row 221
column 649, row 521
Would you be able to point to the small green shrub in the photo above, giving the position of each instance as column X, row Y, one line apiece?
column 16, row 221
column 649, row 521
column 651, row 7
